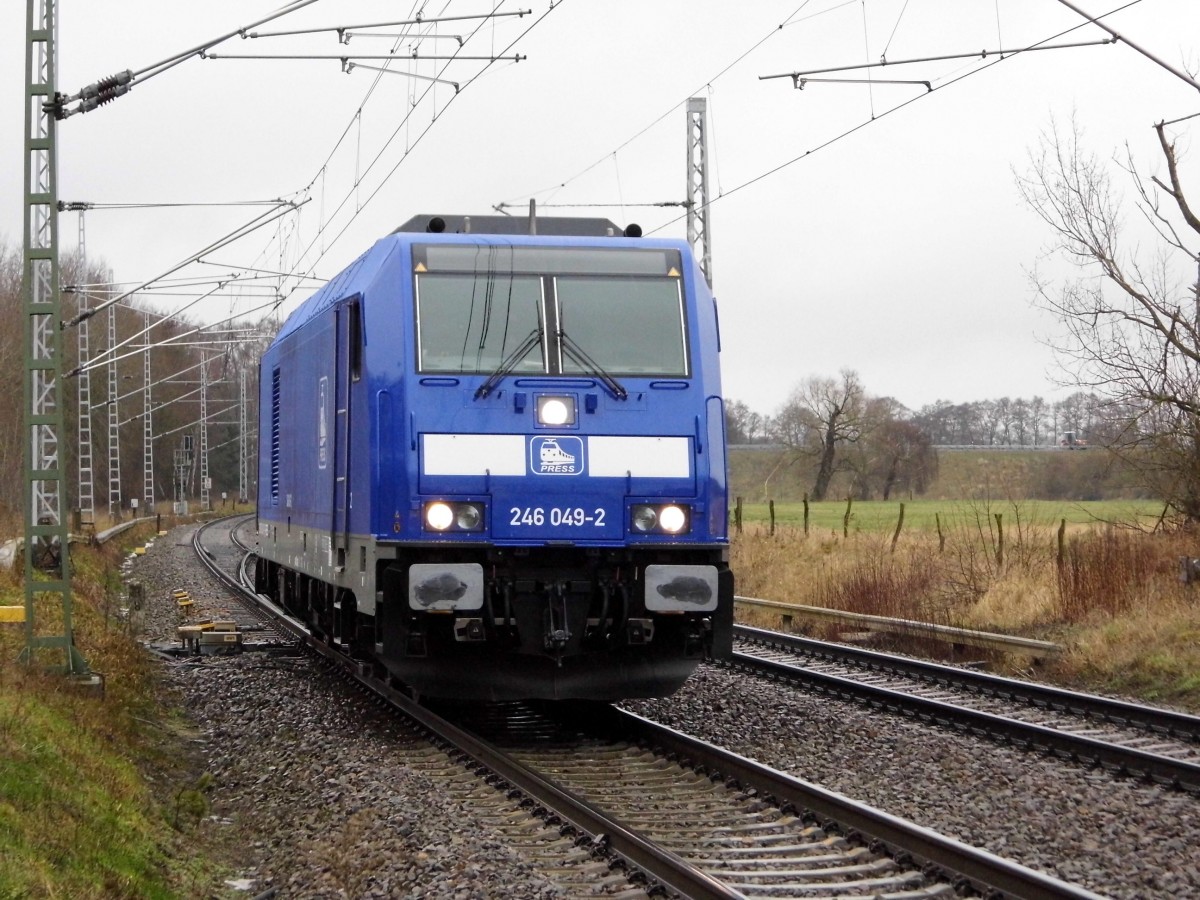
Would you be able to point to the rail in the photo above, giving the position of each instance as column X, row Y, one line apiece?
column 986, row 873
column 1141, row 757
column 1005, row 642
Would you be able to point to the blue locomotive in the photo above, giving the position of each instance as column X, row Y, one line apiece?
column 492, row 461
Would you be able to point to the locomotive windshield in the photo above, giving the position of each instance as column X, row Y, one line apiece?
column 478, row 306
column 470, row 324
column 628, row 325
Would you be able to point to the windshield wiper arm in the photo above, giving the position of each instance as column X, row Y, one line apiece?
column 590, row 366
column 509, row 363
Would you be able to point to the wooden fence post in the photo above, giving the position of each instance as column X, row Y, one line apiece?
column 737, row 516
column 137, row 608
column 899, row 525
column 771, row 510
column 937, row 518
column 999, row 540
column 1062, row 535
column 806, row 514
column 846, row 518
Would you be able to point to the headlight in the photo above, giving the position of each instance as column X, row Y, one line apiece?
column 554, row 411
column 644, row 518
column 669, row 518
column 672, row 519
column 443, row 516
column 439, row 516
column 468, row 517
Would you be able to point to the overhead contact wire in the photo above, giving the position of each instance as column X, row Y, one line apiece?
column 835, row 139
column 428, row 127
column 707, row 84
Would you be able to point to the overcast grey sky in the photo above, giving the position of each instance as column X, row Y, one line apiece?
column 847, row 232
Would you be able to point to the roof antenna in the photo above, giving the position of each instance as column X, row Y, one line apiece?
column 532, row 216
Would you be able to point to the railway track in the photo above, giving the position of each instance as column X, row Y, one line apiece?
column 682, row 816
column 1125, row 738
column 222, row 552
column 754, row 831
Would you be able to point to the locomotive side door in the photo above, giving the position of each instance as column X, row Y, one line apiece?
column 347, row 370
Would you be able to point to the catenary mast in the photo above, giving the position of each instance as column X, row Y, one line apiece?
column 47, row 611
column 699, row 233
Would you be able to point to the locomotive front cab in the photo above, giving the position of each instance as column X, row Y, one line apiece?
column 566, row 450
column 495, row 465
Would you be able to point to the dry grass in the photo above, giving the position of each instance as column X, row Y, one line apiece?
column 1017, row 604
column 1108, row 572
column 1115, row 601
column 1152, row 651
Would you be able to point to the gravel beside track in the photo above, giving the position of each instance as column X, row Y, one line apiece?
column 319, row 794
column 1120, row 838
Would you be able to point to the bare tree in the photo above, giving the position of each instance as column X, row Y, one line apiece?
column 970, row 421
column 1132, row 335
column 989, row 418
column 1037, row 416
column 742, row 424
column 1004, row 420
column 937, row 421
column 904, row 457
column 1020, row 420
column 789, row 426
column 821, row 415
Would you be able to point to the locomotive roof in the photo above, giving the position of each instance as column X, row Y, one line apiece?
column 350, row 280
column 558, row 226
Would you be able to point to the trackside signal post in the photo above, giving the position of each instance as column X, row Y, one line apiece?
column 47, row 556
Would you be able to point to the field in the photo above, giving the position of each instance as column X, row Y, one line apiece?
column 869, row 516
column 1109, row 593
column 985, row 547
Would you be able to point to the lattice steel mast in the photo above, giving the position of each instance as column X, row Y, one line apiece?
column 114, row 423
column 48, row 591
column 147, row 424
column 699, row 231
column 205, row 485
column 87, row 483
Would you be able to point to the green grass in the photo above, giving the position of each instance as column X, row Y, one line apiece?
column 922, row 515
column 71, row 809
column 79, row 818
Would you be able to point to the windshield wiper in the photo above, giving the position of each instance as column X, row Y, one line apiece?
column 509, row 363
column 590, row 366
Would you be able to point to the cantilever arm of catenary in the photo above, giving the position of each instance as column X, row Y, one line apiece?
column 101, row 92
column 240, row 232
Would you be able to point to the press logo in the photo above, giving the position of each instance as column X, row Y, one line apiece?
column 323, row 422
column 556, row 455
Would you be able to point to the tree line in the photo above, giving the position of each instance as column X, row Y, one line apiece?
column 1004, row 422
column 834, row 426
column 832, row 429
column 176, row 362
